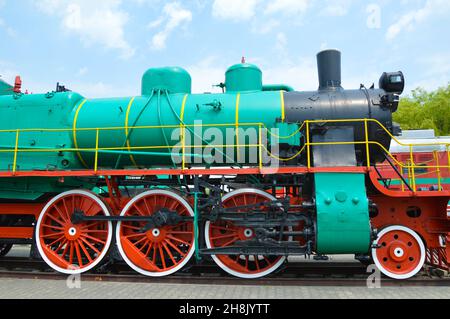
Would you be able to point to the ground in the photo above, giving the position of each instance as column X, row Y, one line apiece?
column 56, row 289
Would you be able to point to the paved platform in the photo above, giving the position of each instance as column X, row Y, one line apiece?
column 57, row 289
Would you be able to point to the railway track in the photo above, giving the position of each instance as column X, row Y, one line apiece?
column 293, row 274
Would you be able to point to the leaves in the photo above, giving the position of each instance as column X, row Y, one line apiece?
column 426, row 110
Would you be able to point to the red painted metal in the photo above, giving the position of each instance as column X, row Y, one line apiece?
column 16, row 232
column 194, row 171
column 21, row 209
column 17, row 85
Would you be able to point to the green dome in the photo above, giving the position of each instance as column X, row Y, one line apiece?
column 243, row 77
column 173, row 79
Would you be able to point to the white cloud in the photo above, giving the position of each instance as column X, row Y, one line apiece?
column 174, row 16
column 266, row 26
column 436, row 70
column 235, row 10
column 287, row 7
column 95, row 22
column 409, row 20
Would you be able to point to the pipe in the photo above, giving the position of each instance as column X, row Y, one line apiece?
column 277, row 87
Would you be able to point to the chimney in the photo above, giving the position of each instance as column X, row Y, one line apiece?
column 329, row 66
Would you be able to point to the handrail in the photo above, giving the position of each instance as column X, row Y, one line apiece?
column 306, row 126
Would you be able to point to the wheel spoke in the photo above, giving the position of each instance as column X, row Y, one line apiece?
column 175, row 247
column 71, row 253
column 55, row 219
column 77, row 249
column 150, row 245
column 94, row 239
column 90, row 245
column 53, row 235
column 83, row 248
column 53, row 227
column 60, row 213
column 228, row 243
column 178, row 240
column 223, row 236
column 134, row 235
column 61, row 245
column 169, row 253
column 161, row 254
column 56, row 241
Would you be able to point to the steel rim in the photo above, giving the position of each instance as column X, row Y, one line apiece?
column 401, row 254
column 69, row 248
column 222, row 234
column 157, row 252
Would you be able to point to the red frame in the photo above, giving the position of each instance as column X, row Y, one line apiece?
column 432, row 203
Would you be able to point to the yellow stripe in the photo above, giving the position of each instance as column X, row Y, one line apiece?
column 183, row 130
column 77, row 113
column 127, row 118
column 283, row 107
column 183, row 107
column 238, row 101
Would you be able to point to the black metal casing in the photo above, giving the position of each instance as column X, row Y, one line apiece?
column 332, row 102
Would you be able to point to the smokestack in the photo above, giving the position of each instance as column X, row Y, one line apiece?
column 329, row 65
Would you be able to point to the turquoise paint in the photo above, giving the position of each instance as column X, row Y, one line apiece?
column 173, row 79
column 243, row 77
column 160, row 110
column 37, row 111
column 5, row 88
column 343, row 224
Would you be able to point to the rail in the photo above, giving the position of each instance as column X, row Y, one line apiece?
column 410, row 166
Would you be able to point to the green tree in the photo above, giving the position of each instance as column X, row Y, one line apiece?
column 426, row 110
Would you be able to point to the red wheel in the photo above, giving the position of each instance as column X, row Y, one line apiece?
column 401, row 254
column 160, row 251
column 70, row 248
column 225, row 233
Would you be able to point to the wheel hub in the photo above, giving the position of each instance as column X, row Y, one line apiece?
column 398, row 251
column 156, row 235
column 248, row 233
column 72, row 232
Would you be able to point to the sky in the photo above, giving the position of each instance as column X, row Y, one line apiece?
column 101, row 48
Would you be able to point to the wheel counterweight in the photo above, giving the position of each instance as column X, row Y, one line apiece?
column 401, row 252
column 73, row 248
column 226, row 233
column 160, row 251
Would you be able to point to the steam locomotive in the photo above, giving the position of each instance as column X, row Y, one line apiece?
column 246, row 178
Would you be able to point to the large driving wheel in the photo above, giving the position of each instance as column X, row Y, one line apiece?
column 226, row 233
column 159, row 251
column 73, row 248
